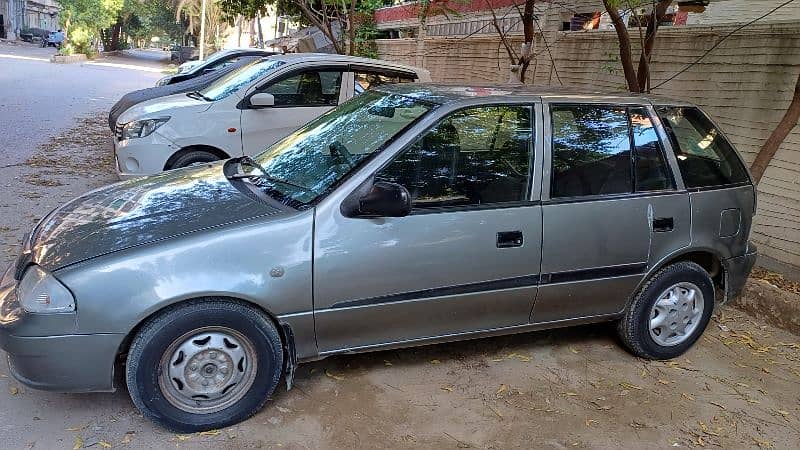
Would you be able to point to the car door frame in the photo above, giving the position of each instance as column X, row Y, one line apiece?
column 294, row 69
column 613, row 278
column 355, row 181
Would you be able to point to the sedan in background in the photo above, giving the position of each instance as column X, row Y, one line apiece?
column 245, row 111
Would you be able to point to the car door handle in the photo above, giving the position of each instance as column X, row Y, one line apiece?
column 663, row 224
column 507, row 239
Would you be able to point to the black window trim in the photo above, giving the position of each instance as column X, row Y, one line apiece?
column 484, row 206
column 548, row 149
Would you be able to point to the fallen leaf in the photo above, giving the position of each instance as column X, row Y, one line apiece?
column 687, row 396
column 104, row 444
column 210, row 433
column 127, row 438
column 77, row 443
column 665, row 382
column 13, row 390
column 718, row 405
column 574, row 350
column 570, row 394
column 631, row 386
column 386, row 363
column 335, row 377
column 78, row 428
column 183, row 437
column 762, row 443
column 500, row 390
column 783, row 413
column 435, row 361
column 447, row 388
column 590, row 422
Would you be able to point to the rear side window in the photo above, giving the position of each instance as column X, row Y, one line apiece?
column 605, row 150
column 365, row 80
column 705, row 157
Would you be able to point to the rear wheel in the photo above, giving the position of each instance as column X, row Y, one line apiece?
column 669, row 313
column 193, row 157
column 204, row 365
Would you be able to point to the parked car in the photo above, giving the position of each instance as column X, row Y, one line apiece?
column 191, row 85
column 35, row 35
column 245, row 111
column 54, row 39
column 215, row 61
column 412, row 214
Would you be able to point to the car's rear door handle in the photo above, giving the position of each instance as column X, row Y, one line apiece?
column 663, row 224
column 507, row 239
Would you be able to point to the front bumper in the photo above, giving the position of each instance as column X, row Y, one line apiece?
column 142, row 156
column 44, row 352
column 737, row 270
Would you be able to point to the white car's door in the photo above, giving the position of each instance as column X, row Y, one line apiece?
column 300, row 96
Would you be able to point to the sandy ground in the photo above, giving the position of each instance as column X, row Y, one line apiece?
column 567, row 388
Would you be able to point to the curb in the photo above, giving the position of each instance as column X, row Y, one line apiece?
column 771, row 304
column 68, row 59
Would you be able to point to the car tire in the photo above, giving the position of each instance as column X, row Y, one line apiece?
column 669, row 313
column 193, row 157
column 204, row 364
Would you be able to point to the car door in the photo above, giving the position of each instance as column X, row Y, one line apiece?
column 300, row 96
column 467, row 257
column 611, row 208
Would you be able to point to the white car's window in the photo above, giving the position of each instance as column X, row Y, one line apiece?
column 240, row 78
column 310, row 88
column 323, row 152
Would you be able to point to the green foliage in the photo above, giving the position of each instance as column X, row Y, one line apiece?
column 83, row 19
column 143, row 19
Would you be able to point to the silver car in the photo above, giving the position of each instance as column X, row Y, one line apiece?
column 413, row 214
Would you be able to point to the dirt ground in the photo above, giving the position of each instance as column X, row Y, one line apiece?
column 567, row 388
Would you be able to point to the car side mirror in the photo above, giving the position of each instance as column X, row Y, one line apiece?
column 262, row 100
column 382, row 199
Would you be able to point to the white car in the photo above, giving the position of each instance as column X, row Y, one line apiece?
column 245, row 111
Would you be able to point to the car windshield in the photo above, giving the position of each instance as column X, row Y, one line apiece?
column 309, row 162
column 239, row 78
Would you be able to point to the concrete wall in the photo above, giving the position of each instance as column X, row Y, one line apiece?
column 745, row 84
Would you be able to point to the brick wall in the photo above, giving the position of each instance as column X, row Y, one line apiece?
column 745, row 85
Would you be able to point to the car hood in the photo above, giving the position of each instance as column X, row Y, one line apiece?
column 162, row 106
column 140, row 211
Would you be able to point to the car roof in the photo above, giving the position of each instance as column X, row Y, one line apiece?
column 451, row 93
column 293, row 58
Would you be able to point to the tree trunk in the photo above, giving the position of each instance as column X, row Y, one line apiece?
column 625, row 57
column 643, row 73
column 260, row 31
column 351, row 28
column 323, row 24
column 770, row 147
column 528, row 31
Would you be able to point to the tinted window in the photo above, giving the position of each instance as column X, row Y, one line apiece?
column 591, row 151
column 651, row 172
column 366, row 80
column 704, row 156
column 475, row 156
column 239, row 78
column 313, row 88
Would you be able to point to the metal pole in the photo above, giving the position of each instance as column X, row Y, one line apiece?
column 202, row 29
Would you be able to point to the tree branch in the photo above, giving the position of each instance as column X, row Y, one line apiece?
column 624, row 47
column 773, row 143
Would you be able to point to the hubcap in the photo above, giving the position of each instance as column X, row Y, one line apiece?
column 207, row 370
column 676, row 314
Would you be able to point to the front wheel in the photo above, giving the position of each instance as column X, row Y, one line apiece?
column 192, row 158
column 669, row 313
column 204, row 365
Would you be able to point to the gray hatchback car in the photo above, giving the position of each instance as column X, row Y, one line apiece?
column 410, row 215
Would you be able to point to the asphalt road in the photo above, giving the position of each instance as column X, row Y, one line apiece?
column 38, row 98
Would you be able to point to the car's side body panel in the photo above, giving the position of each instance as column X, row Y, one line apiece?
column 266, row 261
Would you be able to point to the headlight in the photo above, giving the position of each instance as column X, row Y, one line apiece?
column 142, row 128
column 40, row 292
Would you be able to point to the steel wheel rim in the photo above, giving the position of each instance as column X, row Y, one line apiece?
column 207, row 370
column 676, row 314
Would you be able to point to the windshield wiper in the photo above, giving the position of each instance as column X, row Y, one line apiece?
column 248, row 161
column 197, row 95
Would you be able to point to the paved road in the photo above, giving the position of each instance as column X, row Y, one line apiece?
column 38, row 98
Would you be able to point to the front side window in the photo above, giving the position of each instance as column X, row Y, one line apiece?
column 366, row 80
column 311, row 88
column 705, row 157
column 476, row 156
column 308, row 162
